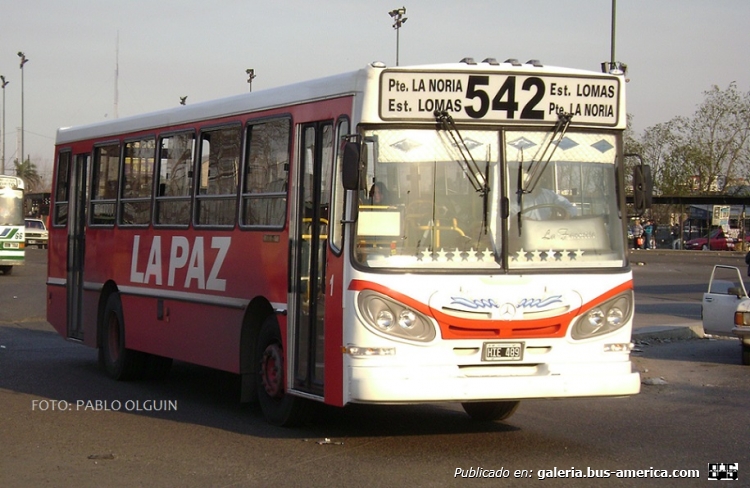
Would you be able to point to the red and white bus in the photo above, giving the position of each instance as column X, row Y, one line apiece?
column 441, row 233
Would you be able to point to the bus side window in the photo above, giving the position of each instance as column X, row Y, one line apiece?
column 138, row 171
column 219, row 170
column 266, row 173
column 104, row 183
column 60, row 216
column 175, row 179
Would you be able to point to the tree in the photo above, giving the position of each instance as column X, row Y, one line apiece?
column 693, row 155
column 28, row 173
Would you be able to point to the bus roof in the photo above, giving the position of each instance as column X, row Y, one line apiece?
column 303, row 92
column 307, row 91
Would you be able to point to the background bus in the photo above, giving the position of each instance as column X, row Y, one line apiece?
column 12, row 247
column 240, row 234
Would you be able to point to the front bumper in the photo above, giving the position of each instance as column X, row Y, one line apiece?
column 423, row 384
column 743, row 332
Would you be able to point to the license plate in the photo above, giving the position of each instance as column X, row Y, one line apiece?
column 11, row 245
column 502, row 351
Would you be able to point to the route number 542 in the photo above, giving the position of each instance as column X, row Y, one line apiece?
column 505, row 98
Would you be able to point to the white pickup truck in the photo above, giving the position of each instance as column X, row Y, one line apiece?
column 726, row 307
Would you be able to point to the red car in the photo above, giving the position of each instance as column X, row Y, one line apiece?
column 718, row 242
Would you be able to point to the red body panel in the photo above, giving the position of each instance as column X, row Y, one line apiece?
column 201, row 300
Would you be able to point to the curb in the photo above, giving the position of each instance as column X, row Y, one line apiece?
column 671, row 332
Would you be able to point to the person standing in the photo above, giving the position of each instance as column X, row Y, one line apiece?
column 648, row 231
column 637, row 235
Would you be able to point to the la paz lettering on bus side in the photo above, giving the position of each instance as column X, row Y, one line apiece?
column 182, row 255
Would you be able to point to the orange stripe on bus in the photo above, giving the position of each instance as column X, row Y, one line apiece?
column 465, row 328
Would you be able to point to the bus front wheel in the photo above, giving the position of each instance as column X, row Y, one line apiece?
column 120, row 363
column 6, row 269
column 278, row 407
column 490, row 411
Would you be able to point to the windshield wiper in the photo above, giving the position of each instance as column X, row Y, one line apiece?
column 469, row 166
column 538, row 167
column 535, row 167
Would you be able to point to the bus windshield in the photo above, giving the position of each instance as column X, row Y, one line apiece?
column 11, row 206
column 419, row 206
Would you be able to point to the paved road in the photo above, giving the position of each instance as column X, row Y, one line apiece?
column 692, row 411
column 669, row 286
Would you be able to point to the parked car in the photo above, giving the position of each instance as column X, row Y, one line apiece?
column 36, row 233
column 691, row 232
column 717, row 240
column 726, row 307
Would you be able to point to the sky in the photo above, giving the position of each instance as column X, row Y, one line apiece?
column 165, row 49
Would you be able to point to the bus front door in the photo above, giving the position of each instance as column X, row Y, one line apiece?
column 76, row 244
column 310, row 256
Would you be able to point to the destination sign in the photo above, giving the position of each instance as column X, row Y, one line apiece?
column 499, row 97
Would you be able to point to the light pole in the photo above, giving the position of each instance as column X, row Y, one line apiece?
column 398, row 21
column 612, row 66
column 250, row 77
column 3, row 84
column 24, row 60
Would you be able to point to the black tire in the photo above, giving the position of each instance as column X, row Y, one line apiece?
column 278, row 407
column 6, row 269
column 119, row 363
column 745, row 355
column 490, row 411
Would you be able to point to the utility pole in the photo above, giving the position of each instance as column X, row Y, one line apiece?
column 613, row 66
column 117, row 75
column 24, row 60
column 3, row 84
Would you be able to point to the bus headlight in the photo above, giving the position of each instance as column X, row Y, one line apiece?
column 604, row 318
column 383, row 314
column 384, row 320
column 407, row 319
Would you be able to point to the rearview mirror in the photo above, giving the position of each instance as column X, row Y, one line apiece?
column 354, row 154
column 643, row 185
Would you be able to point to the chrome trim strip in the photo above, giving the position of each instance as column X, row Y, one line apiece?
column 307, row 395
column 219, row 301
column 279, row 307
column 57, row 282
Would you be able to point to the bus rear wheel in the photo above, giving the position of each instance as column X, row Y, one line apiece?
column 490, row 411
column 120, row 363
column 278, row 407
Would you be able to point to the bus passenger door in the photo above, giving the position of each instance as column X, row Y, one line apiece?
column 310, row 238
column 77, row 244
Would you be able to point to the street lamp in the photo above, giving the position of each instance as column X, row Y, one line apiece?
column 398, row 21
column 250, row 77
column 3, row 84
column 24, row 60
column 612, row 66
